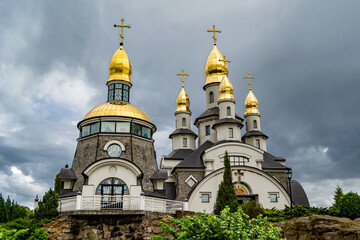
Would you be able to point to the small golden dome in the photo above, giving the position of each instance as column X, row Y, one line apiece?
column 120, row 67
column 214, row 68
column 251, row 104
column 118, row 110
column 226, row 89
column 182, row 101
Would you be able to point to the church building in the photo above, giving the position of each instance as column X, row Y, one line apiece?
column 115, row 166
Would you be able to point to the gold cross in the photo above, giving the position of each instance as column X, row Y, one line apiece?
column 239, row 174
column 122, row 26
column 182, row 74
column 249, row 77
column 224, row 60
column 214, row 31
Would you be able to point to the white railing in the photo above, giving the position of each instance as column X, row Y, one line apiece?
column 126, row 202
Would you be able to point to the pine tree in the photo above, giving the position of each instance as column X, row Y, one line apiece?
column 338, row 194
column 48, row 206
column 57, row 184
column 2, row 209
column 226, row 195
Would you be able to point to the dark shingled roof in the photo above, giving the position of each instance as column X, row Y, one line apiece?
column 194, row 160
column 160, row 174
column 67, row 193
column 183, row 131
column 254, row 133
column 298, row 194
column 270, row 162
column 67, row 173
column 155, row 194
column 227, row 120
column 179, row 154
column 213, row 112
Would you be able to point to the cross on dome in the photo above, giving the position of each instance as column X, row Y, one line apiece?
column 224, row 60
column 239, row 174
column 122, row 26
column 249, row 77
column 214, row 31
column 182, row 74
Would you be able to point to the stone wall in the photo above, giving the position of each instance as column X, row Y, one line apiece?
column 182, row 189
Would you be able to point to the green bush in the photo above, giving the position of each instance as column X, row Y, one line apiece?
column 23, row 234
column 252, row 209
column 228, row 226
column 349, row 205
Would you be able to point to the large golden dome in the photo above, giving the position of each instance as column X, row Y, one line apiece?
column 118, row 110
column 251, row 104
column 214, row 68
column 182, row 101
column 226, row 89
column 120, row 67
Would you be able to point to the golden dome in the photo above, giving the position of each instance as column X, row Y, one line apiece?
column 226, row 89
column 120, row 67
column 118, row 110
column 251, row 104
column 182, row 101
column 214, row 68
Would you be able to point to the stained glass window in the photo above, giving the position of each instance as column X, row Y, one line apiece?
column 94, row 128
column 118, row 94
column 136, row 129
column 126, row 96
column 123, row 127
column 146, row 132
column 112, row 186
column 111, row 95
column 108, row 127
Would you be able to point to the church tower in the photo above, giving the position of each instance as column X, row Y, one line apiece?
column 253, row 135
column 183, row 137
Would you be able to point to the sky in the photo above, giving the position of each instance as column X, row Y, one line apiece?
column 304, row 55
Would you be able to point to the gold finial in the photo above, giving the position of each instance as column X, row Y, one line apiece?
column 122, row 26
column 224, row 60
column 182, row 74
column 214, row 31
column 249, row 77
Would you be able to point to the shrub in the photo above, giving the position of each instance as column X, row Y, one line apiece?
column 349, row 205
column 252, row 209
column 228, row 226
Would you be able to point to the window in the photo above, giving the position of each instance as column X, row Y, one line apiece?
column 211, row 97
column 190, row 181
column 136, row 129
column 123, row 127
column 94, row 128
column 273, row 197
column 112, row 186
column 205, row 198
column 237, row 160
column 184, row 142
column 146, row 132
column 257, row 143
column 228, row 111
column 85, row 131
column 118, row 92
column 254, row 124
column 108, row 127
column 183, row 122
column 231, row 132
column 207, row 130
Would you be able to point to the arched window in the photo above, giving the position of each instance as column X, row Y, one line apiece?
column 183, row 122
column 228, row 111
column 111, row 187
column 254, row 124
column 211, row 97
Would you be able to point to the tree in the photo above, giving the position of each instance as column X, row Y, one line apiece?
column 226, row 195
column 349, row 205
column 338, row 194
column 228, row 226
column 57, row 184
column 48, row 206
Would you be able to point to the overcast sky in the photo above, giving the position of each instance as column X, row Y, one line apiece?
column 305, row 55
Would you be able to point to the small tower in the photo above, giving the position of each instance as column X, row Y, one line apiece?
column 253, row 135
column 36, row 202
column 183, row 137
column 227, row 127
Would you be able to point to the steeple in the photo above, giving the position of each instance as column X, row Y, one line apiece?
column 182, row 101
column 251, row 102
column 226, row 89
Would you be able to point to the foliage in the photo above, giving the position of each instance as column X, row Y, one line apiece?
column 338, row 194
column 226, row 195
column 349, row 205
column 228, row 226
column 10, row 210
column 252, row 209
column 275, row 215
column 48, row 206
column 57, row 184
column 23, row 234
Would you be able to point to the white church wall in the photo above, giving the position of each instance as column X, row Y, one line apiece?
column 250, row 119
column 178, row 141
column 222, row 132
column 215, row 89
column 223, row 109
column 238, row 149
column 202, row 132
column 259, row 183
column 179, row 117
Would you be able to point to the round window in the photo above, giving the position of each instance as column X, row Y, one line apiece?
column 114, row 150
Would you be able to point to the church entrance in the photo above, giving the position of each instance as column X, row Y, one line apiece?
column 242, row 191
column 243, row 199
column 112, row 191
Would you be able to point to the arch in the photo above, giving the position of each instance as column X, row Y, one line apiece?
column 113, row 162
column 114, row 142
column 254, row 124
column 112, row 186
column 228, row 111
column 211, row 97
column 183, row 122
